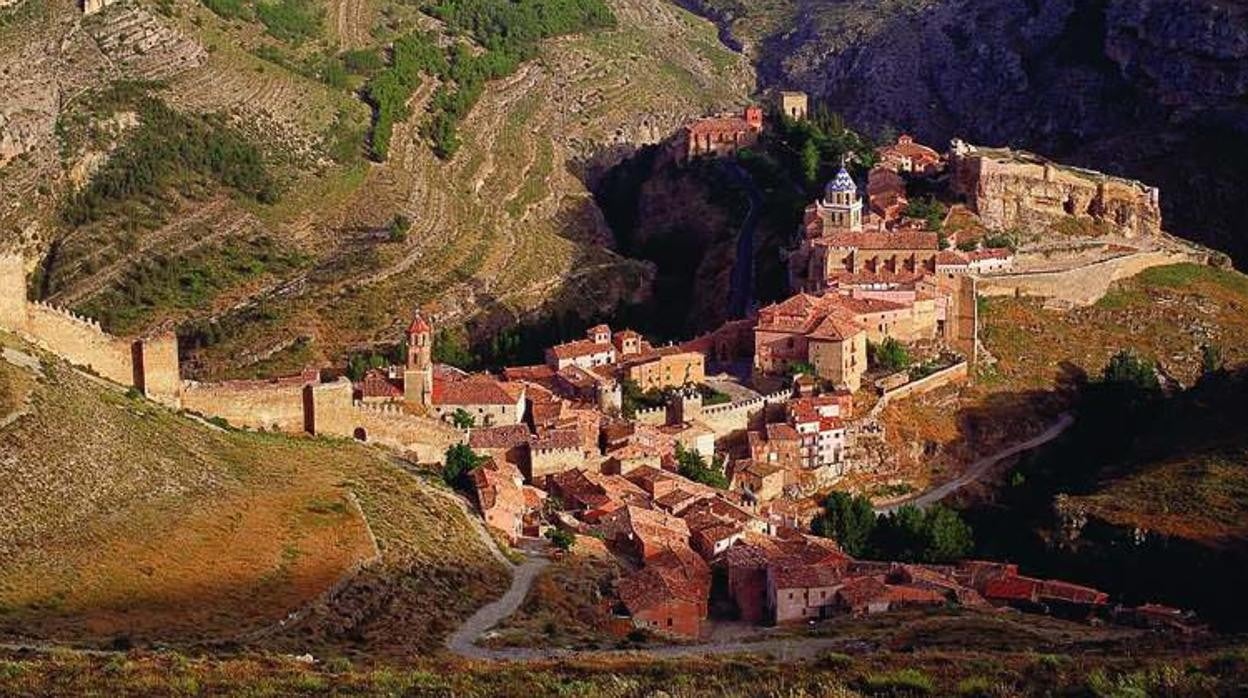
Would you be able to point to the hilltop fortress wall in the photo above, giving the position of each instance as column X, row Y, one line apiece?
column 149, row 364
column 330, row 410
column 294, row 404
column 276, row 404
column 1017, row 189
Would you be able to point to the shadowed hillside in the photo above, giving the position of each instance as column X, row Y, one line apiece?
column 127, row 523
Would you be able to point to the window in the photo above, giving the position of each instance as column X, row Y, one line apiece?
column 669, row 622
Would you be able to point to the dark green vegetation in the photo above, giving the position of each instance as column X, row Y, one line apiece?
column 692, row 465
column 460, row 462
column 1144, row 496
column 291, row 21
column 889, row 355
column 187, row 282
column 935, row 534
column 508, row 32
column 166, row 150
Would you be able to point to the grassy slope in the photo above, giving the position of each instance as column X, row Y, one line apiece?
column 125, row 519
column 1002, row 658
column 1165, row 313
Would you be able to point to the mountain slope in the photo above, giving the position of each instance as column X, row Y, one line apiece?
column 124, row 520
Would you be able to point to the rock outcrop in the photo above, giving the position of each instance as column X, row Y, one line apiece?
column 1016, row 189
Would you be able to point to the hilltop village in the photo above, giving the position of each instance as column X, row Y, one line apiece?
column 681, row 469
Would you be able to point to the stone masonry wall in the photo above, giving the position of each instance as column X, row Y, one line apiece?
column 335, row 413
column 1083, row 285
column 1010, row 189
column 247, row 405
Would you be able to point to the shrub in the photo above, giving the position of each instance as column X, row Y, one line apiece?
column 977, row 687
column 693, row 466
column 460, row 461
column 890, row 355
column 398, row 228
column 225, row 9
column 291, row 21
column 560, row 538
column 834, row 660
column 903, row 682
column 338, row 665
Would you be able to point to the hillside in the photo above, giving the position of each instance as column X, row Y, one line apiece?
column 126, row 523
column 504, row 228
column 1150, row 90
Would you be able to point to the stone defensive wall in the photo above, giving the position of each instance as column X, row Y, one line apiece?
column 332, row 411
column 957, row 373
column 149, row 364
column 736, row 416
column 1082, row 285
column 721, row 419
column 294, row 404
column 274, row 404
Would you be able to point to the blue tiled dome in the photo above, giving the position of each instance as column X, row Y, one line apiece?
column 841, row 183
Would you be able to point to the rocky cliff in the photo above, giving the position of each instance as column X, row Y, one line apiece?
column 1151, row 89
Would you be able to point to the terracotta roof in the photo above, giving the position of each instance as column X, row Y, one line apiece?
column 476, row 390
column 990, row 253
column 508, row 436
column 378, row 383
column 909, row 240
column 859, row 591
column 836, row 327
column 797, row 575
column 861, row 306
column 906, row 147
column 781, row 432
column 557, row 440
column 950, row 258
column 418, row 325
column 677, row 574
column 536, row 374
column 717, row 125
column 579, row 348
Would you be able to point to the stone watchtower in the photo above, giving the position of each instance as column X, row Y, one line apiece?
column 841, row 208
column 418, row 373
column 685, row 406
column 12, row 292
column 793, row 104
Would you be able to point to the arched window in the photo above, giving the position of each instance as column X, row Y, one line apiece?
column 360, row 434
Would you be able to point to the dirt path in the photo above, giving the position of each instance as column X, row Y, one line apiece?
column 981, row 467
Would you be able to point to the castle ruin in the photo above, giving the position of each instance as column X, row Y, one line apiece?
column 1016, row 189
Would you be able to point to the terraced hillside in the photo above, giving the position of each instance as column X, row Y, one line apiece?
column 506, row 228
column 126, row 522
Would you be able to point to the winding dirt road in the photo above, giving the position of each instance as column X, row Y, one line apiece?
column 981, row 467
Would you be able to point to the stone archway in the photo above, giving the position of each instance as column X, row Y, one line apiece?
column 360, row 434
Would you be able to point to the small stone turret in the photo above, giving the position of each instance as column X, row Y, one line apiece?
column 685, row 406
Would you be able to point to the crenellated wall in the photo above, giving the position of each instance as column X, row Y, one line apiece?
column 333, row 411
column 149, row 364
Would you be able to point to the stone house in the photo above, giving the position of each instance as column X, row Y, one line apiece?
column 553, row 451
column 488, row 401
column 505, row 444
column 721, row 136
column 500, row 495
column 906, row 155
column 669, row 595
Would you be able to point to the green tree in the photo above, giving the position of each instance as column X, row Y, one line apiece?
column 462, row 420
column 810, row 162
column 560, row 538
column 398, row 228
column 460, row 462
column 890, row 355
column 1127, row 369
column 948, row 537
column 693, row 466
column 847, row 519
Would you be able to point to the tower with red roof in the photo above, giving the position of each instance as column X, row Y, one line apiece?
column 418, row 373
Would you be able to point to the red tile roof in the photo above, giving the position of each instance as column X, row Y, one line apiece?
column 579, row 348
column 908, row 240
column 508, row 436
column 418, row 325
column 557, row 440
column 476, row 390
column 378, row 383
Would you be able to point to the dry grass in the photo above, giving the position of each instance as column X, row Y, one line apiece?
column 1165, row 314
column 124, row 519
column 565, row 607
